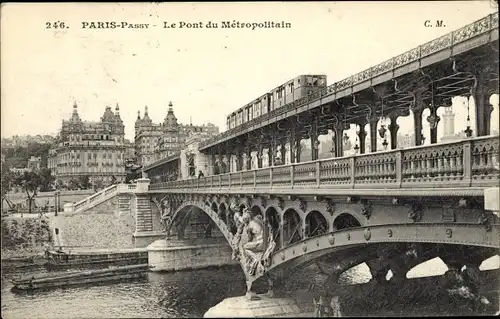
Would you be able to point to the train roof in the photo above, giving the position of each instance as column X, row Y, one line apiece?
column 298, row 76
column 265, row 94
column 248, row 104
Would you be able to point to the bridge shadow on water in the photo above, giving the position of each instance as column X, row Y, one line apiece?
column 422, row 295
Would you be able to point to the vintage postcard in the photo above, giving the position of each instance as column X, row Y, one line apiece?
column 250, row 159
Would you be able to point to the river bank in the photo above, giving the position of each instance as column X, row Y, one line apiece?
column 24, row 239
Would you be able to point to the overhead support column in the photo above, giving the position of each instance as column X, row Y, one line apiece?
column 393, row 129
column 272, row 150
column 248, row 153
column 228, row 157
column 212, row 162
column 220, row 161
column 291, row 141
column 433, row 120
column 417, row 110
column 259, row 155
column 362, row 138
column 373, row 134
column 313, row 134
column 483, row 107
column 239, row 159
column 338, row 129
column 283, row 152
column 298, row 140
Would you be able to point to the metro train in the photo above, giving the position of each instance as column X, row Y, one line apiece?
column 284, row 94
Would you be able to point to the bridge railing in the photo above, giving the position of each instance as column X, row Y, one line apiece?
column 463, row 163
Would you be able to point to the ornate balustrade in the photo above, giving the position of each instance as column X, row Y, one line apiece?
column 472, row 162
column 447, row 41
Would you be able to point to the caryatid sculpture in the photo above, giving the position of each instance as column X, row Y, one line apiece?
column 238, row 220
column 256, row 253
column 166, row 217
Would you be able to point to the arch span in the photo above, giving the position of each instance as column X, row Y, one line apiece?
column 316, row 224
column 292, row 227
column 345, row 221
column 184, row 209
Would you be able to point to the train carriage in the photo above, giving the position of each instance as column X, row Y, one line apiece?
column 297, row 88
column 290, row 91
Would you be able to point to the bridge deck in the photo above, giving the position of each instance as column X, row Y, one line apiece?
column 459, row 168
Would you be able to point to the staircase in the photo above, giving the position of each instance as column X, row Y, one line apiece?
column 144, row 219
column 124, row 203
column 102, row 196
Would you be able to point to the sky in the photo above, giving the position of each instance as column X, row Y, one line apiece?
column 206, row 73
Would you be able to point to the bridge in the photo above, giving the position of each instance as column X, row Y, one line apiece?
column 391, row 209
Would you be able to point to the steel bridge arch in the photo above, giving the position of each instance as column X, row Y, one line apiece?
column 207, row 210
column 303, row 251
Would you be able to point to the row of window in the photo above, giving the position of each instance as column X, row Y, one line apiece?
column 76, row 155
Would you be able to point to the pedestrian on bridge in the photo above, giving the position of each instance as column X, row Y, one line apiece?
column 200, row 174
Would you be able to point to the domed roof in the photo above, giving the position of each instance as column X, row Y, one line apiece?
column 170, row 119
column 108, row 115
column 75, row 118
column 146, row 119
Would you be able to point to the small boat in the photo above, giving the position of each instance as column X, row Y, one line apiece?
column 64, row 279
column 61, row 259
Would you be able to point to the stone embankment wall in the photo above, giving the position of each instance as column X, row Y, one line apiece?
column 25, row 237
column 102, row 226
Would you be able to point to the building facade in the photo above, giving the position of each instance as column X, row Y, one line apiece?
column 93, row 149
column 34, row 163
column 155, row 141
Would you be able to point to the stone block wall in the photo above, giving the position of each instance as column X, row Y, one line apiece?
column 24, row 237
column 103, row 226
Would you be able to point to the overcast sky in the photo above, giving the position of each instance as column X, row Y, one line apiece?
column 206, row 73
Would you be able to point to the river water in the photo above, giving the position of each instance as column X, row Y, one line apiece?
column 160, row 295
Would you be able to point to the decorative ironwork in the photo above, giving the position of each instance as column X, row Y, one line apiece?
column 449, row 232
column 331, row 239
column 302, row 205
column 330, row 207
column 366, row 209
column 281, row 203
column 415, row 213
column 367, row 234
column 448, row 169
column 433, row 120
column 472, row 30
column 485, row 221
column 448, row 215
column 263, row 202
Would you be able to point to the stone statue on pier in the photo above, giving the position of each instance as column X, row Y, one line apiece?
column 256, row 252
column 240, row 225
column 166, row 217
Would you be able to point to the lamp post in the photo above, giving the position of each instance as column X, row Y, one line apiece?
column 56, row 202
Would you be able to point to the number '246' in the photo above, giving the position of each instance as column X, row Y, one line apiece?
column 55, row 25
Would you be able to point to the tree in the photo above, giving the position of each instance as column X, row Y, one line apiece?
column 98, row 184
column 73, row 184
column 29, row 182
column 7, row 179
column 60, row 184
column 84, row 182
column 47, row 179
